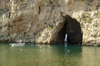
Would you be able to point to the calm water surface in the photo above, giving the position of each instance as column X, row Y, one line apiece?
column 49, row 55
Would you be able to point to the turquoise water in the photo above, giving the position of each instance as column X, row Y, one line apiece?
column 49, row 55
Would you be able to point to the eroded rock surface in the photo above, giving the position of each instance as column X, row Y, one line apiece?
column 40, row 21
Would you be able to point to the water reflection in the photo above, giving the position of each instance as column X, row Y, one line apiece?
column 40, row 55
column 73, row 57
column 49, row 55
column 90, row 56
column 65, row 46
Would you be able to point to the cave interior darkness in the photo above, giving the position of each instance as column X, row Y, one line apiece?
column 72, row 28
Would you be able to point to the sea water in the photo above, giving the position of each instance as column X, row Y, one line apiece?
column 49, row 55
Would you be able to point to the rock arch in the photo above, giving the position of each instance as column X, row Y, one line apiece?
column 72, row 28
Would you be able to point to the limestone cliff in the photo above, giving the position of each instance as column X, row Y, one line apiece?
column 45, row 21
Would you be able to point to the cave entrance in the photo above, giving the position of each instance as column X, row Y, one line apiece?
column 72, row 28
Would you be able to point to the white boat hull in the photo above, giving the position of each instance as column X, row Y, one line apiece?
column 17, row 44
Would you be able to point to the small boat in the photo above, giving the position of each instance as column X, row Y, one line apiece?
column 17, row 44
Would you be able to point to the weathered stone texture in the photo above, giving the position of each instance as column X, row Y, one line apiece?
column 40, row 20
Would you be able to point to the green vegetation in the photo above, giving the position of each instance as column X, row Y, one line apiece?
column 9, row 26
column 1, row 36
column 53, row 7
column 58, row 5
column 91, row 0
column 0, row 27
column 51, row 2
column 86, row 17
column 45, row 23
column 40, row 32
column 96, row 14
column 24, row 33
column 34, row 33
column 83, row 15
column 96, row 25
column 90, row 19
column 8, row 34
column 97, row 6
column 54, row 22
column 50, row 27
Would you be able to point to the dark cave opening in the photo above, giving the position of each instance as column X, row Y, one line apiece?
column 72, row 28
column 61, row 33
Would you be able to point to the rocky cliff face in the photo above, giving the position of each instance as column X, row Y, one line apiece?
column 45, row 21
